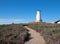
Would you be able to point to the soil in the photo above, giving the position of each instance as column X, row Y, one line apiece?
column 35, row 37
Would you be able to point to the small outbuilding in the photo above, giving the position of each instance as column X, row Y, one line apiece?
column 58, row 22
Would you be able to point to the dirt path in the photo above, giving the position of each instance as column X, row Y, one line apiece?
column 36, row 37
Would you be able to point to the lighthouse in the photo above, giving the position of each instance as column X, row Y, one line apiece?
column 38, row 16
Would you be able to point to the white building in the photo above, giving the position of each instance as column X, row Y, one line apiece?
column 38, row 16
column 58, row 22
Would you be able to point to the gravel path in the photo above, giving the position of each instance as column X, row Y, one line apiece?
column 36, row 37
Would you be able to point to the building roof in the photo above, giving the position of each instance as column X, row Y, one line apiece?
column 57, row 21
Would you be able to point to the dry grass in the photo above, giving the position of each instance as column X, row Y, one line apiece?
column 51, row 32
column 12, row 34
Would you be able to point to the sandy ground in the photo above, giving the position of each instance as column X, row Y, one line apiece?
column 36, row 38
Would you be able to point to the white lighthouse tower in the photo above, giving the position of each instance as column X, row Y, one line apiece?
column 38, row 16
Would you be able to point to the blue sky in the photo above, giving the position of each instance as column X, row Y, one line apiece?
column 21, row 11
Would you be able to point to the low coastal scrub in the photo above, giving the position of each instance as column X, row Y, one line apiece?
column 12, row 34
column 50, row 32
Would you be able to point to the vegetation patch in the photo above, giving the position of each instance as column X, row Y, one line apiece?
column 50, row 32
column 12, row 34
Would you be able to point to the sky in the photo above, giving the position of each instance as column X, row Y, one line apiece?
column 23, row 11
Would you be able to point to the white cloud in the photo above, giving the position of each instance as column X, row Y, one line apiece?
column 8, row 21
